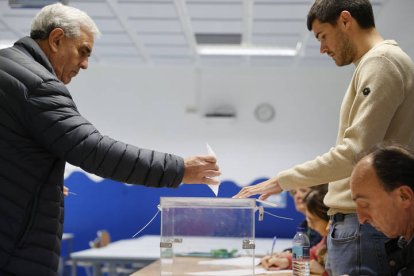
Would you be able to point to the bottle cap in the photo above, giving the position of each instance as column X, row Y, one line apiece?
column 300, row 229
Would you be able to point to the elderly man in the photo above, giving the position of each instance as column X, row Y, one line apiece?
column 41, row 129
column 382, row 186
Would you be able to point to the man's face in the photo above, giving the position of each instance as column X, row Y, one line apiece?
column 334, row 42
column 375, row 205
column 72, row 55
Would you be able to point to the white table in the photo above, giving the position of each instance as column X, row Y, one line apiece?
column 141, row 250
column 147, row 249
column 68, row 239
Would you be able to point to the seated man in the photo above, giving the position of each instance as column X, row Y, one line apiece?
column 382, row 186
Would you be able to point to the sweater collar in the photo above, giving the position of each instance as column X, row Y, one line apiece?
column 388, row 42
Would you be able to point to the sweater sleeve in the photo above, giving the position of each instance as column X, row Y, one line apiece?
column 376, row 91
column 56, row 123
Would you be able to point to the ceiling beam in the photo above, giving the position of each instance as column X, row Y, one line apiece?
column 185, row 21
column 123, row 20
column 247, row 25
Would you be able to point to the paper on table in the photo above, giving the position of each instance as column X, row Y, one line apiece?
column 239, row 261
column 214, row 188
column 240, row 272
column 261, row 270
column 236, row 272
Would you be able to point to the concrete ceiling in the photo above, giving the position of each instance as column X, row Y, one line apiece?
column 169, row 32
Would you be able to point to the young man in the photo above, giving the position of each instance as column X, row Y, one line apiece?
column 382, row 185
column 41, row 129
column 377, row 107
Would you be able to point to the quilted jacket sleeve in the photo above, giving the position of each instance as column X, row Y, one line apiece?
column 56, row 123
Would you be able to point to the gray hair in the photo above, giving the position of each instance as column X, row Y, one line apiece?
column 70, row 19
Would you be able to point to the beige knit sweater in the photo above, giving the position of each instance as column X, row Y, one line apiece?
column 378, row 106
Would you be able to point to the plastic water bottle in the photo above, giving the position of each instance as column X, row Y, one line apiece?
column 300, row 253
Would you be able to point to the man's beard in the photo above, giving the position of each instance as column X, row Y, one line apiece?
column 346, row 50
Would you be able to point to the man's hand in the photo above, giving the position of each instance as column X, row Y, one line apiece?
column 65, row 191
column 201, row 170
column 264, row 189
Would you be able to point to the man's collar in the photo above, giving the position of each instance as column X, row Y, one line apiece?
column 31, row 47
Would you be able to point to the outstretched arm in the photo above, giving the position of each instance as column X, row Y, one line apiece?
column 264, row 189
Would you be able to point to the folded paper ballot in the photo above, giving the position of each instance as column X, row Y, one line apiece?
column 265, row 202
column 214, row 188
column 238, row 261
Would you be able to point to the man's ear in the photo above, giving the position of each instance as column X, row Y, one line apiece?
column 55, row 39
column 345, row 19
column 406, row 195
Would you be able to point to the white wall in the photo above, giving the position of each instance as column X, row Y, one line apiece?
column 162, row 109
column 396, row 21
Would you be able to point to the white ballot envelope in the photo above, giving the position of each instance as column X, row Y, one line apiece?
column 214, row 188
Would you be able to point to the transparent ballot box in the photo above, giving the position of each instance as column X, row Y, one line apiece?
column 207, row 236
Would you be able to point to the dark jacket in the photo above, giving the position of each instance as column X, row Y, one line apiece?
column 314, row 237
column 40, row 130
column 401, row 260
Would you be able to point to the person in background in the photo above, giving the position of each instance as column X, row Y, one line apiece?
column 378, row 106
column 318, row 220
column 298, row 198
column 41, row 129
column 382, row 185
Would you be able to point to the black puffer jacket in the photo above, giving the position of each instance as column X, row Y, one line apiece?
column 401, row 260
column 41, row 129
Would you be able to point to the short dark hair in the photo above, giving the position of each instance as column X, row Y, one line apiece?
column 393, row 164
column 328, row 11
